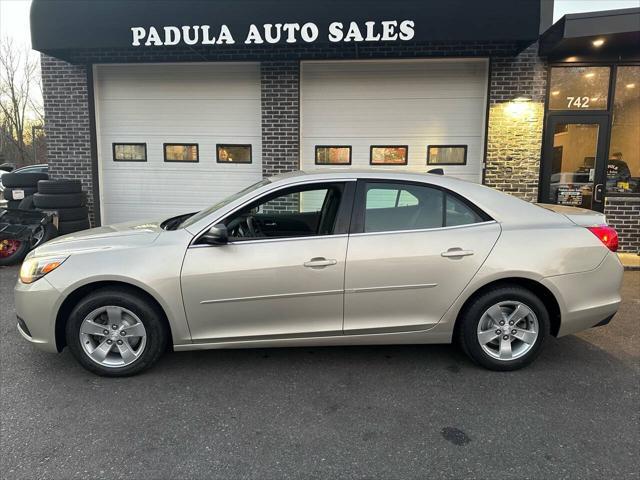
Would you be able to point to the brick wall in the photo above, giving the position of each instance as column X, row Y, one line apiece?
column 280, row 116
column 514, row 137
column 66, row 107
column 623, row 214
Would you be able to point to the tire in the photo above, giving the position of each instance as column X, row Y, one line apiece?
column 27, row 191
column 21, row 180
column 12, row 251
column 26, row 203
column 506, row 297
column 71, row 214
column 113, row 365
column 64, row 228
column 61, row 200
column 59, row 186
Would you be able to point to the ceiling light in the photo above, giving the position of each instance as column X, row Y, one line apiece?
column 572, row 59
column 598, row 43
column 590, row 75
column 522, row 98
column 555, row 93
column 630, row 85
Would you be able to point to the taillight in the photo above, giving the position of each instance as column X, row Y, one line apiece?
column 607, row 235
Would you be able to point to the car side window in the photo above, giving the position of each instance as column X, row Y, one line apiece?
column 459, row 213
column 295, row 212
column 394, row 206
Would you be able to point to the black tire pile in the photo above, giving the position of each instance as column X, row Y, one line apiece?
column 20, row 187
column 66, row 198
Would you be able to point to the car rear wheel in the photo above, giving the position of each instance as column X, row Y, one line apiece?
column 504, row 328
column 114, row 332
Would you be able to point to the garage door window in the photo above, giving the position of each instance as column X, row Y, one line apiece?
column 389, row 155
column 447, row 155
column 228, row 153
column 333, row 155
column 129, row 152
column 181, row 152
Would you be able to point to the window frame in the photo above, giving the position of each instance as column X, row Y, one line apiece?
column 164, row 152
column 342, row 222
column 360, row 204
column 406, row 160
column 218, row 145
column 464, row 147
column 315, row 155
column 115, row 144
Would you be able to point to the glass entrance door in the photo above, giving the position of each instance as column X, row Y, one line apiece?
column 574, row 161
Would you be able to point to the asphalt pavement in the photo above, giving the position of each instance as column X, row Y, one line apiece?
column 339, row 412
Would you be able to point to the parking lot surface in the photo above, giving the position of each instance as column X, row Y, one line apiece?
column 374, row 412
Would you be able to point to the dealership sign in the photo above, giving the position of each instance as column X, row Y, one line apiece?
column 268, row 33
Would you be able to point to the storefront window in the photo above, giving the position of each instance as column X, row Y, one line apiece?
column 180, row 152
column 233, row 153
column 579, row 88
column 334, row 155
column 389, row 155
column 623, row 168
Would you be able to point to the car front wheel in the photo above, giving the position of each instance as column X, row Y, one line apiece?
column 504, row 328
column 114, row 332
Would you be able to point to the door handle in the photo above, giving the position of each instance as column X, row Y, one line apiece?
column 320, row 262
column 597, row 194
column 456, row 253
column 270, row 224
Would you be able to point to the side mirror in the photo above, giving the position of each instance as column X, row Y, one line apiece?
column 217, row 235
column 436, row 171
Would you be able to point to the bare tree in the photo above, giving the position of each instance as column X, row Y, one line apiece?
column 19, row 109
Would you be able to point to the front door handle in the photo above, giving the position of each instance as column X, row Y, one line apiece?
column 456, row 253
column 320, row 262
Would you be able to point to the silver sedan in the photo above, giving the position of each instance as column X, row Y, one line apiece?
column 326, row 258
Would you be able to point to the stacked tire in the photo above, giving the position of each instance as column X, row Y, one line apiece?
column 20, row 188
column 67, row 200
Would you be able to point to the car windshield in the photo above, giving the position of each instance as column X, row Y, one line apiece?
column 203, row 213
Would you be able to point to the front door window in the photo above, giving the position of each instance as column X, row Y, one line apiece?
column 573, row 167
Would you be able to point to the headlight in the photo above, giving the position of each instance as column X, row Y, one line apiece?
column 37, row 267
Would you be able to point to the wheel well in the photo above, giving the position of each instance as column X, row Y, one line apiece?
column 542, row 292
column 72, row 300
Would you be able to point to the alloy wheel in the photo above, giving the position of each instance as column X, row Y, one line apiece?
column 113, row 336
column 508, row 330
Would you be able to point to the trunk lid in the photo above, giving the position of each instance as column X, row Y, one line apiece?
column 579, row 216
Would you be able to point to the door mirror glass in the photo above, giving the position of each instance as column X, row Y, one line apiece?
column 217, row 235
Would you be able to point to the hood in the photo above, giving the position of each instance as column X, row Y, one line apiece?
column 122, row 235
column 579, row 216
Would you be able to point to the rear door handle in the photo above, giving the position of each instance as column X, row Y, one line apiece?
column 456, row 253
column 320, row 262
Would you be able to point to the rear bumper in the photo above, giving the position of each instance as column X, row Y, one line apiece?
column 590, row 298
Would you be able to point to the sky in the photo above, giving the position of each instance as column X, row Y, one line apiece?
column 14, row 14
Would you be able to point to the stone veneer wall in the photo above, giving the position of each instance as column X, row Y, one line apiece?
column 514, row 139
column 623, row 214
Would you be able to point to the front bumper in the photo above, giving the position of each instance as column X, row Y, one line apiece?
column 588, row 299
column 37, row 305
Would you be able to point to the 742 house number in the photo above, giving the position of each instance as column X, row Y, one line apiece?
column 578, row 102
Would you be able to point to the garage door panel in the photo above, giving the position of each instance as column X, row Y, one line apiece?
column 143, row 116
column 414, row 103
column 157, row 104
column 230, row 81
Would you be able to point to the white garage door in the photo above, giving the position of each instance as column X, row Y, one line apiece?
column 209, row 114
column 394, row 111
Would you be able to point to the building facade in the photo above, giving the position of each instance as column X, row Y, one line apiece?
column 160, row 111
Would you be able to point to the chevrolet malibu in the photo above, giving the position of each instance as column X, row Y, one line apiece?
column 338, row 258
